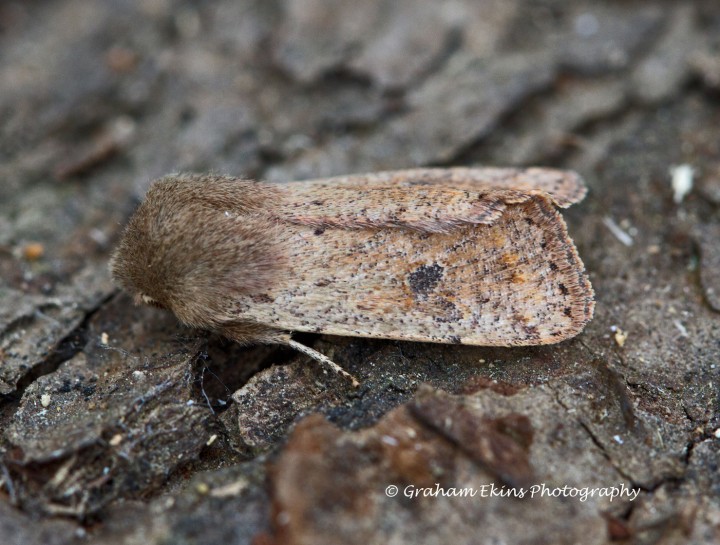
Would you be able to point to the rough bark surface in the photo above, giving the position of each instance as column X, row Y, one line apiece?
column 121, row 427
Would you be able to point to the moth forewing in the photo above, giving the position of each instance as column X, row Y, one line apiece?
column 517, row 281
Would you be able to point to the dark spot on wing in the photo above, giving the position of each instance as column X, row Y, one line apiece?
column 424, row 279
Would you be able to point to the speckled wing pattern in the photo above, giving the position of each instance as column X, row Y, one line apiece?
column 471, row 256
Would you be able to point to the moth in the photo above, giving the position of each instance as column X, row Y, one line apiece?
column 476, row 256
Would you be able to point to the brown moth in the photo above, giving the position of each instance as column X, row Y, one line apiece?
column 476, row 256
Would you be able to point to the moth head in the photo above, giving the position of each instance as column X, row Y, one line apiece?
column 198, row 242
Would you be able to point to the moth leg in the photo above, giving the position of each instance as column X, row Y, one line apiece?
column 250, row 333
column 317, row 356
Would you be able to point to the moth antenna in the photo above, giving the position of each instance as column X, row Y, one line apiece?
column 317, row 356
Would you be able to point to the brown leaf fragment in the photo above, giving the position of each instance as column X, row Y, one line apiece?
column 329, row 486
column 302, row 491
column 501, row 444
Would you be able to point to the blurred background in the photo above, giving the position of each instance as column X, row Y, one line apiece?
column 99, row 98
